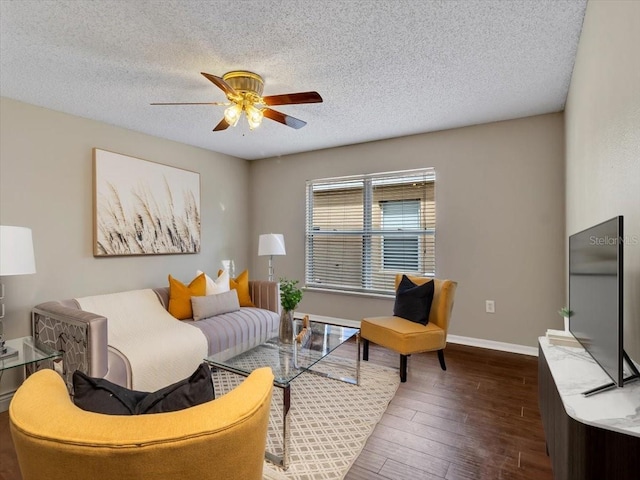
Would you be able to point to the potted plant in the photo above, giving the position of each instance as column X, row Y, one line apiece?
column 290, row 296
column 565, row 313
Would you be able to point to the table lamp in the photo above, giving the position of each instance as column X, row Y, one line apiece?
column 16, row 258
column 271, row 244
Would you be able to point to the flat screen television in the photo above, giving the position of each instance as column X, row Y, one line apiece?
column 596, row 298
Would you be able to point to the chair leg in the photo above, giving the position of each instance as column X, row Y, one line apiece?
column 441, row 358
column 365, row 349
column 403, row 368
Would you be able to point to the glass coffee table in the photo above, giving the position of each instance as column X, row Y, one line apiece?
column 287, row 361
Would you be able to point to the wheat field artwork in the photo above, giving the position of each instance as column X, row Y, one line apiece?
column 143, row 208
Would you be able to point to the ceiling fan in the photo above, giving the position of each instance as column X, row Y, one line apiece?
column 244, row 92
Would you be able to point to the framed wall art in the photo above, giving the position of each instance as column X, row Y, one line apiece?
column 143, row 207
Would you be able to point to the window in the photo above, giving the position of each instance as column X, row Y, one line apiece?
column 362, row 230
column 400, row 252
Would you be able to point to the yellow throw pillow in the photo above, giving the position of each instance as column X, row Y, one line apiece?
column 241, row 285
column 180, row 296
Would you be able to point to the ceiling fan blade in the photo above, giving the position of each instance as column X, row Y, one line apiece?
column 191, row 103
column 293, row 98
column 220, row 83
column 287, row 120
column 223, row 125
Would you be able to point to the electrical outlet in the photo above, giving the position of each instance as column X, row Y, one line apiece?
column 490, row 306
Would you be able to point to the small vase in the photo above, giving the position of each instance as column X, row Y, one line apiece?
column 566, row 324
column 286, row 326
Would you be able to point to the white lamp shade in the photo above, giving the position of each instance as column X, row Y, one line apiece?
column 271, row 244
column 16, row 251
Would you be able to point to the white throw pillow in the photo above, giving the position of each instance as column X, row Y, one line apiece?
column 220, row 285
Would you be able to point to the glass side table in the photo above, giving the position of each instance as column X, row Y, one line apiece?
column 29, row 356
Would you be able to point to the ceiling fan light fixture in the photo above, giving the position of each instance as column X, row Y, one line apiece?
column 243, row 81
column 254, row 116
column 232, row 114
column 243, row 89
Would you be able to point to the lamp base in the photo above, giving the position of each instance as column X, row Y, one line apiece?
column 271, row 268
column 8, row 352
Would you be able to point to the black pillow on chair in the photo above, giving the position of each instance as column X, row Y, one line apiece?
column 102, row 396
column 413, row 302
column 196, row 389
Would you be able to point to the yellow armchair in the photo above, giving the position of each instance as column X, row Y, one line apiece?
column 406, row 337
column 221, row 439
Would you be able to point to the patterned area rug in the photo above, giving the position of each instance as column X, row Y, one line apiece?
column 329, row 420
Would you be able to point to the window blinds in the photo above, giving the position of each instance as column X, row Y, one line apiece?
column 362, row 230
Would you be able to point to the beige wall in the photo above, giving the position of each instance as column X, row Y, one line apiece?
column 603, row 138
column 500, row 220
column 46, row 184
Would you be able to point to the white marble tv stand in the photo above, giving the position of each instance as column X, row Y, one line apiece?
column 588, row 438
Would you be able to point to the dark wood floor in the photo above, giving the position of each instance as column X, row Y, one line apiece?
column 478, row 420
column 8, row 461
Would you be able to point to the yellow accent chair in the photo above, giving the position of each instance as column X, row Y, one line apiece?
column 223, row 438
column 406, row 337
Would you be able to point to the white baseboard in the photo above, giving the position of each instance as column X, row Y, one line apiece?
column 470, row 341
column 493, row 345
column 343, row 322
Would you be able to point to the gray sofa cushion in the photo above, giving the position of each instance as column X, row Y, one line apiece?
column 212, row 305
column 241, row 330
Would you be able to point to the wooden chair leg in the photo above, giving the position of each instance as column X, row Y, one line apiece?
column 441, row 358
column 403, row 368
column 365, row 349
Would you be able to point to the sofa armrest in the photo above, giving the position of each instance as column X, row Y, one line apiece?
column 80, row 336
column 265, row 294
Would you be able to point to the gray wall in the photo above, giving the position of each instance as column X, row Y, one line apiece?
column 603, row 139
column 46, row 184
column 500, row 220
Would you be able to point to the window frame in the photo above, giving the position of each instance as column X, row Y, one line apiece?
column 426, row 233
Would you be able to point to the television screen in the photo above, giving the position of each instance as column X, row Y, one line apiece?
column 595, row 294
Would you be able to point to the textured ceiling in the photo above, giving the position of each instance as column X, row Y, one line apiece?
column 384, row 68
